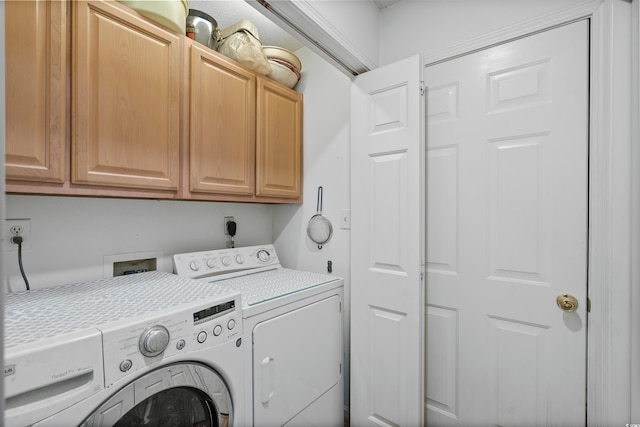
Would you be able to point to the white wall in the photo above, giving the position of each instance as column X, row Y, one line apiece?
column 70, row 236
column 437, row 24
column 326, row 163
column 354, row 24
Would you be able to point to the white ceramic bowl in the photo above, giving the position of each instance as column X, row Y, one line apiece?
column 172, row 13
column 275, row 52
column 282, row 74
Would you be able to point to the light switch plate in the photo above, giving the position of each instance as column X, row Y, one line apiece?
column 345, row 219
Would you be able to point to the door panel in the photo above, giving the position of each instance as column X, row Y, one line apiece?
column 36, row 68
column 222, row 120
column 278, row 141
column 507, row 144
column 386, row 294
column 125, row 99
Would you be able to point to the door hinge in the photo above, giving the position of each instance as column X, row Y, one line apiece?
column 588, row 305
column 422, row 87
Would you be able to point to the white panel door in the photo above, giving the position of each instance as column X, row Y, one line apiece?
column 386, row 294
column 507, row 140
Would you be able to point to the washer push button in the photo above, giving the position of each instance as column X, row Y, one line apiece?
column 125, row 365
column 217, row 330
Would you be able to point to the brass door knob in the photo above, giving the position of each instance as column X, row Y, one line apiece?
column 567, row 303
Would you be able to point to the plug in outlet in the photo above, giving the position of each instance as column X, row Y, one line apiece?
column 18, row 227
column 226, row 220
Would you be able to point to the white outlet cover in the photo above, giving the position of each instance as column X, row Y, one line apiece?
column 25, row 223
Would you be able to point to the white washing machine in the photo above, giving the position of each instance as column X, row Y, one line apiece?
column 294, row 321
column 146, row 349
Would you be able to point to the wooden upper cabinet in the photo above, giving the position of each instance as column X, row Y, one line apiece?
column 125, row 99
column 222, row 125
column 150, row 112
column 36, row 67
column 278, row 141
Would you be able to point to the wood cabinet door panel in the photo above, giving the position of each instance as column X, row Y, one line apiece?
column 222, row 125
column 278, row 141
column 126, row 75
column 36, row 64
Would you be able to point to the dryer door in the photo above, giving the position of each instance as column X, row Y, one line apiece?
column 297, row 358
column 173, row 395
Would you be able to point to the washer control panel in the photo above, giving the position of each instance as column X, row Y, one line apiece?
column 218, row 262
column 133, row 344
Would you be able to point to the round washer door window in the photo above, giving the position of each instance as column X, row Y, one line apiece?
column 181, row 394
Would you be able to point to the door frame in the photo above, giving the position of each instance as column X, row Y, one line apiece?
column 613, row 211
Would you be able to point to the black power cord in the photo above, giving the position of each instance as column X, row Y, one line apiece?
column 232, row 227
column 18, row 241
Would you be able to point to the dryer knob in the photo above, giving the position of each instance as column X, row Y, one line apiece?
column 226, row 261
column 264, row 255
column 154, row 340
column 194, row 265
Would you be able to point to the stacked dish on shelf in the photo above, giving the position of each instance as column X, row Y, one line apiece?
column 239, row 41
column 172, row 14
column 285, row 66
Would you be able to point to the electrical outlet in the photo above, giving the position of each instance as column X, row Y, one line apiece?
column 226, row 220
column 15, row 227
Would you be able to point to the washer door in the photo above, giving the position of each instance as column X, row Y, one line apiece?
column 173, row 395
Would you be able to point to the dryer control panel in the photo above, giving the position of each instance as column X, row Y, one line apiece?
column 135, row 344
column 231, row 262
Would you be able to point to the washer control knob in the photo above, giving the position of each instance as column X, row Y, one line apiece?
column 217, row 330
column 231, row 324
column 239, row 259
column 154, row 341
column 194, row 265
column 212, row 263
column 181, row 344
column 125, row 365
column 263, row 255
column 226, row 261
column 202, row 337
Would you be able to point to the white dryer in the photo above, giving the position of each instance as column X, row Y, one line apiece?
column 294, row 321
column 145, row 349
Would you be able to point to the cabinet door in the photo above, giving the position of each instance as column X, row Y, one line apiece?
column 222, row 125
column 125, row 99
column 36, row 65
column 278, row 141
